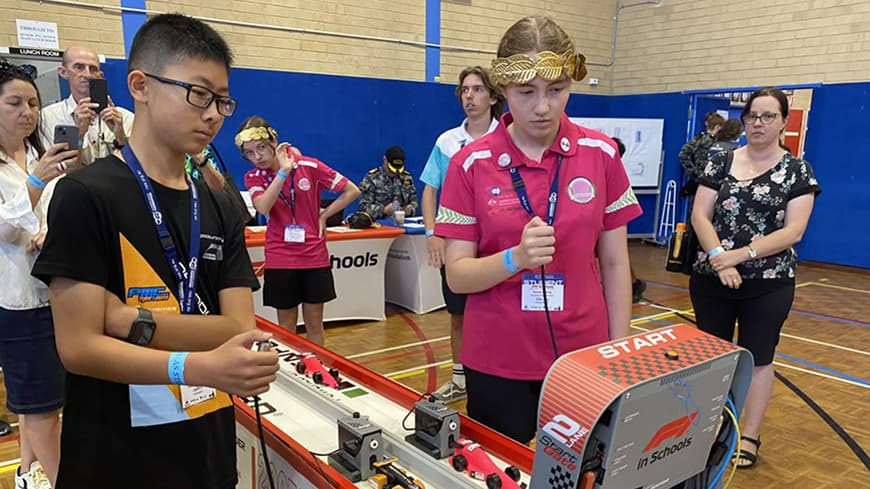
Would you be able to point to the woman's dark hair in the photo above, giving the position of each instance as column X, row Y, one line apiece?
column 767, row 92
column 9, row 72
column 620, row 146
column 497, row 109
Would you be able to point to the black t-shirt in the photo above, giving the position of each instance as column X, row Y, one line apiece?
column 101, row 232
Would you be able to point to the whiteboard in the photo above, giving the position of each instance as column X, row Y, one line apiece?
column 643, row 145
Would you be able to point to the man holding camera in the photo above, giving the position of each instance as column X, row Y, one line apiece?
column 102, row 127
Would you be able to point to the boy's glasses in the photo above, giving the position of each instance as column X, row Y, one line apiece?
column 201, row 97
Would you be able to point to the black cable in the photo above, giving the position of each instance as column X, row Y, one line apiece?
column 314, row 455
column 847, row 438
column 547, row 312
column 263, row 442
column 422, row 396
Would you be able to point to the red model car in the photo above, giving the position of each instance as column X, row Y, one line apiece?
column 310, row 365
column 470, row 457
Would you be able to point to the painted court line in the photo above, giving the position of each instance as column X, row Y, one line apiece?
column 397, row 373
column 817, row 374
column 398, row 347
column 839, row 374
column 829, row 345
column 840, row 287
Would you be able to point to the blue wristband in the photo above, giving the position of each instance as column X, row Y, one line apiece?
column 508, row 257
column 176, row 367
column 715, row 251
column 35, row 181
column 281, row 174
column 430, row 232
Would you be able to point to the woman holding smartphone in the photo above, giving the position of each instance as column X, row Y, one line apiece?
column 33, row 374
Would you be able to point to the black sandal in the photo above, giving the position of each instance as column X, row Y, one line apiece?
column 746, row 455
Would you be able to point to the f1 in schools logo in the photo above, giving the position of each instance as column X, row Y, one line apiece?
column 148, row 294
column 674, row 430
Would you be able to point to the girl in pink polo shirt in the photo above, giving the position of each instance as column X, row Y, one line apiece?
column 539, row 194
column 286, row 187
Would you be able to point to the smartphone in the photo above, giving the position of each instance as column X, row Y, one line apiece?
column 67, row 134
column 99, row 93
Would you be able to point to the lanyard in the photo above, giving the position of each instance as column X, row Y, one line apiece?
column 186, row 278
column 520, row 188
column 292, row 202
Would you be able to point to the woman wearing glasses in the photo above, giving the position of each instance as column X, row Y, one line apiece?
column 752, row 206
column 286, row 186
column 33, row 374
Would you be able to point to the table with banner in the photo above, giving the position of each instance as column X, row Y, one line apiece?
column 358, row 258
column 410, row 281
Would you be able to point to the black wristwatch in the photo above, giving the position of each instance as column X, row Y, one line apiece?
column 143, row 328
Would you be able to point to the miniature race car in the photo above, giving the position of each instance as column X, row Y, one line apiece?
column 310, row 365
column 469, row 456
column 390, row 476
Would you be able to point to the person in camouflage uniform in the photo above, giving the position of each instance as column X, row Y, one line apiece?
column 693, row 155
column 385, row 183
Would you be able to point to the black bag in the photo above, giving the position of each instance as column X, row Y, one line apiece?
column 683, row 250
column 360, row 220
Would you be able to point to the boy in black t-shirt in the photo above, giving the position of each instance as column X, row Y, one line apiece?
column 144, row 265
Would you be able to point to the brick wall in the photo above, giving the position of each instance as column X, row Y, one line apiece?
column 692, row 44
column 98, row 29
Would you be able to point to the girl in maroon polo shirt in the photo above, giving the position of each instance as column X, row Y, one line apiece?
column 539, row 191
column 286, row 187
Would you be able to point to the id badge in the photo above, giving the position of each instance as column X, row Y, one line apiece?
column 294, row 233
column 533, row 292
column 194, row 394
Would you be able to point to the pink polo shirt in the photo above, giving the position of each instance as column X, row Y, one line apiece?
column 309, row 178
column 479, row 203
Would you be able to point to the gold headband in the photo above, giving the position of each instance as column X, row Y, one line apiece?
column 521, row 69
column 255, row 134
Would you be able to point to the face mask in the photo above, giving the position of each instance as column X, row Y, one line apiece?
column 396, row 166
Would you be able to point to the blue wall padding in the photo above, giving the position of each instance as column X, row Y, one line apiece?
column 837, row 129
column 348, row 122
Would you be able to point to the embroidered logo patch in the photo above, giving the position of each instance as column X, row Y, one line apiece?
column 581, row 190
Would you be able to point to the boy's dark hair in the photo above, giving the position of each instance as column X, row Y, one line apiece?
column 730, row 131
column 620, row 146
column 169, row 39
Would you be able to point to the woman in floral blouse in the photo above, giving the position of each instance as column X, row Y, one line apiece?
column 751, row 207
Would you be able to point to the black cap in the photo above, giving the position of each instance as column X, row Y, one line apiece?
column 395, row 155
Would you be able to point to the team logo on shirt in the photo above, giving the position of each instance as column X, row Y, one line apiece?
column 304, row 184
column 495, row 191
column 581, row 190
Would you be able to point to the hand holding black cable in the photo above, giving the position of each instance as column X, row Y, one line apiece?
column 537, row 245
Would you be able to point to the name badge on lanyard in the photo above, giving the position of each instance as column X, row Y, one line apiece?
column 533, row 292
column 294, row 233
column 185, row 277
column 534, row 284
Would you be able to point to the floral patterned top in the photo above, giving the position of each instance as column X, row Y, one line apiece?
column 748, row 209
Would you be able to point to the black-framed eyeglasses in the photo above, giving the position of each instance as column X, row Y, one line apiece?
column 765, row 118
column 200, row 96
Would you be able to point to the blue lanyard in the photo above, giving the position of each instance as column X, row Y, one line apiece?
column 292, row 203
column 186, row 278
column 520, row 188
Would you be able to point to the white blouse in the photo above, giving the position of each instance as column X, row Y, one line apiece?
column 19, row 222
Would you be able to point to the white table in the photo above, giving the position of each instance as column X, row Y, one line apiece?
column 410, row 281
column 358, row 261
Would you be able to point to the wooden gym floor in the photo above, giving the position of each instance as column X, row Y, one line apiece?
column 824, row 350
